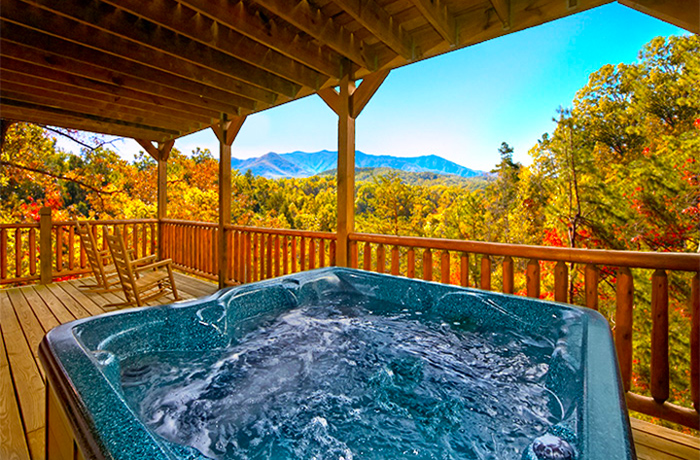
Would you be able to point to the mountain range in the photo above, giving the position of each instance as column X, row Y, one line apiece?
column 305, row 164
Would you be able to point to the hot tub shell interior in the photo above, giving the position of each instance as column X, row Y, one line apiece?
column 88, row 417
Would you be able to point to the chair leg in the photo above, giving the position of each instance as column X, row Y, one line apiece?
column 172, row 283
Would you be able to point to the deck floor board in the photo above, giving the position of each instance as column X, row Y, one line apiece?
column 27, row 312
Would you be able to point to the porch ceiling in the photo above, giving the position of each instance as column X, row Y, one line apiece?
column 161, row 69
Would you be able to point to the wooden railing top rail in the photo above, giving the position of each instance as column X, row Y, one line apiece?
column 190, row 222
column 283, row 231
column 21, row 225
column 653, row 260
column 59, row 223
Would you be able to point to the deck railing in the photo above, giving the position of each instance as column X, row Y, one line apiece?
column 262, row 253
column 22, row 246
column 450, row 261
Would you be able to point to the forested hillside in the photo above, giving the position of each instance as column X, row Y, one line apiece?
column 620, row 171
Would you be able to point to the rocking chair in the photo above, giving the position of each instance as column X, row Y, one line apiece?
column 141, row 283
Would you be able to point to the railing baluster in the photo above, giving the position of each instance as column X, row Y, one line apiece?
column 268, row 261
column 262, row 259
column 18, row 252
column 153, row 239
column 277, row 255
column 135, row 240
column 255, row 267
column 302, row 254
column 59, row 248
column 485, row 272
column 71, row 249
column 331, row 251
column 508, row 275
column 659, row 336
column 623, row 324
column 381, row 259
column 561, row 279
column 445, row 267
column 321, row 252
column 367, row 257
column 591, row 281
column 354, row 256
column 411, row 262
column 532, row 276
column 143, row 240
column 695, row 341
column 312, row 253
column 285, row 255
column 294, row 255
column 464, row 269
column 395, row 260
column 3, row 253
column 248, row 258
column 32, row 251
column 427, row 265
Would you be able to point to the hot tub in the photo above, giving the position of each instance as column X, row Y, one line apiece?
column 337, row 363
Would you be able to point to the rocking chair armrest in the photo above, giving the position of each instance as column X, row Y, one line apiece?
column 143, row 260
column 160, row 263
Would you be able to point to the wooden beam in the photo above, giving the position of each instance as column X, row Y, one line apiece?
column 370, row 84
column 346, row 171
column 226, row 132
column 69, row 113
column 382, row 25
column 502, row 8
column 164, row 149
column 312, row 21
column 65, row 121
column 437, row 14
column 50, row 52
column 209, row 35
column 331, row 97
column 681, row 13
column 239, row 82
column 95, row 107
column 150, row 149
column 130, row 99
column 272, row 33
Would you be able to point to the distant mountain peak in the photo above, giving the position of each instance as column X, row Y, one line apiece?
column 304, row 164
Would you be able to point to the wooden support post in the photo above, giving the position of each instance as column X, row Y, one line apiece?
column 623, row 324
column 45, row 252
column 659, row 337
column 695, row 341
column 226, row 131
column 346, row 169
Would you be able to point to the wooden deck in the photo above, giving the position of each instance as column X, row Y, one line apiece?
column 27, row 313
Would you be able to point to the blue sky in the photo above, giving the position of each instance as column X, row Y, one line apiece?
column 461, row 105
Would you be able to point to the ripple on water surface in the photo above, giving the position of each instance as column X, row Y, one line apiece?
column 342, row 383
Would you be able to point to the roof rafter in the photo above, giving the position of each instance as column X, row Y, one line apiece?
column 437, row 14
column 383, row 26
column 274, row 34
column 502, row 8
column 310, row 20
column 50, row 52
column 210, row 33
column 80, row 33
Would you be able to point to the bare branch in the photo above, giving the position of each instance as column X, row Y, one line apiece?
column 58, row 176
column 77, row 141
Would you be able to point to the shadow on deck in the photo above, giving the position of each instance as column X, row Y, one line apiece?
column 27, row 313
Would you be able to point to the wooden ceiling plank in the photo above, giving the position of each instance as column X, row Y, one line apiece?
column 209, row 32
column 49, row 98
column 96, row 118
column 63, row 121
column 31, row 85
column 273, row 33
column 681, row 13
column 50, row 52
column 304, row 17
column 362, row 95
column 437, row 14
column 105, row 44
column 383, row 26
column 112, row 30
column 502, row 8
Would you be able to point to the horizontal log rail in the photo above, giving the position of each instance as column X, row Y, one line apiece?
column 448, row 261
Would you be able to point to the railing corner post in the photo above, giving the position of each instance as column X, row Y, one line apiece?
column 45, row 252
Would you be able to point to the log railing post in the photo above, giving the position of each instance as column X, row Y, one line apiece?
column 445, row 267
column 532, row 276
column 485, row 272
column 623, row 324
column 367, row 257
column 508, row 275
column 464, row 269
column 695, row 341
column 45, row 252
column 659, row 336
column 411, row 263
column 561, row 279
column 591, row 281
column 427, row 265
column 381, row 259
column 395, row 260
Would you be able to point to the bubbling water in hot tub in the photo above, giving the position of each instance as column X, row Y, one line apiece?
column 337, row 381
